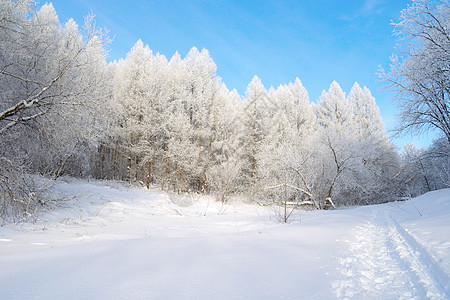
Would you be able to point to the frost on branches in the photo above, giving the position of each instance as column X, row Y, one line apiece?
column 51, row 81
column 420, row 71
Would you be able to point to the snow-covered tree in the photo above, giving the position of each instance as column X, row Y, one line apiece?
column 333, row 110
column 365, row 113
column 224, row 172
column 436, row 165
column 357, row 156
column 136, row 90
column 287, row 147
column 424, row 170
column 419, row 73
column 257, row 113
column 50, row 77
column 194, row 89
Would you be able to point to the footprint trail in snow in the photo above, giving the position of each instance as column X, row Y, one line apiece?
column 386, row 262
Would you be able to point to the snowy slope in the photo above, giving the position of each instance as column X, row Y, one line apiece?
column 128, row 243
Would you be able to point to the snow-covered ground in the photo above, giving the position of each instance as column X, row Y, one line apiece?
column 130, row 243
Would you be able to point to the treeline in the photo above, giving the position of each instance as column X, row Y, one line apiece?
column 173, row 123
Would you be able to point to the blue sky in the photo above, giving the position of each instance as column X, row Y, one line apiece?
column 315, row 40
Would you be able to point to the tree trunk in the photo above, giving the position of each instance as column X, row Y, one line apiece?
column 149, row 173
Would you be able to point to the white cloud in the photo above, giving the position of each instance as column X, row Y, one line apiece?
column 371, row 7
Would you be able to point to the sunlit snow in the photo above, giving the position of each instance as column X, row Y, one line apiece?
column 131, row 243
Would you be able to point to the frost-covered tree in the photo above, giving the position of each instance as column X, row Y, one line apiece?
column 224, row 172
column 413, row 178
column 167, row 114
column 51, row 82
column 39, row 58
column 285, row 156
column 436, row 165
column 357, row 157
column 379, row 160
column 424, row 170
column 195, row 88
column 333, row 110
column 420, row 75
column 419, row 72
column 365, row 113
column 48, row 85
column 257, row 112
column 137, row 88
column 334, row 115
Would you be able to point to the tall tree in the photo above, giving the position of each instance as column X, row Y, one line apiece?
column 419, row 72
column 357, row 158
column 50, row 76
column 224, row 172
column 256, row 114
column 332, row 109
column 285, row 160
column 365, row 113
column 136, row 95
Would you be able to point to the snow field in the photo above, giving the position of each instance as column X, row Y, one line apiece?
column 122, row 243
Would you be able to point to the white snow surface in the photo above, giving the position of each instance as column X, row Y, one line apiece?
column 116, row 242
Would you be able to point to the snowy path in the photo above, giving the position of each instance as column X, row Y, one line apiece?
column 386, row 262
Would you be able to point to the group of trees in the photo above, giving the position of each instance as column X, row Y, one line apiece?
column 173, row 123
column 420, row 71
column 51, row 75
column 420, row 75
